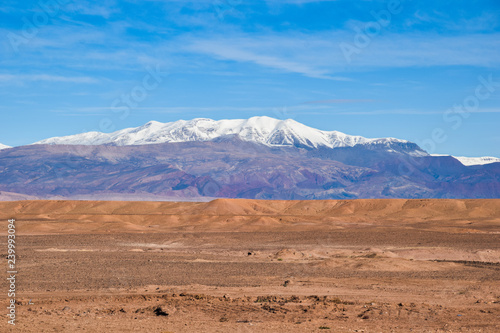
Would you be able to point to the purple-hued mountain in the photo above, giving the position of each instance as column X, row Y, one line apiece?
column 260, row 157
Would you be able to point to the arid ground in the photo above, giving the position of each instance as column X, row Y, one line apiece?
column 255, row 266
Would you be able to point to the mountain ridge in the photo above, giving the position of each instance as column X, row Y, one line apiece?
column 260, row 129
column 233, row 168
column 468, row 161
column 263, row 130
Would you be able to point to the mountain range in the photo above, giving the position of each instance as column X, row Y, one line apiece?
column 262, row 130
column 260, row 157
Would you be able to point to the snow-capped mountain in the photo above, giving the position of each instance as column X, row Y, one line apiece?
column 257, row 158
column 477, row 160
column 468, row 161
column 263, row 130
column 4, row 146
column 232, row 168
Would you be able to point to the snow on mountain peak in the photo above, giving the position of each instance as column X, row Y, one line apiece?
column 468, row 161
column 2, row 146
column 263, row 130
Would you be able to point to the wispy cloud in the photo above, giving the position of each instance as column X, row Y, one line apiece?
column 226, row 51
column 486, row 21
column 314, row 54
column 190, row 109
column 341, row 101
column 411, row 112
column 318, row 55
column 46, row 77
column 105, row 9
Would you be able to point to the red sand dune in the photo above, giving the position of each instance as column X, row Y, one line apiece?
column 248, row 215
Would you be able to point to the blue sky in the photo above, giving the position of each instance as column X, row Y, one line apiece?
column 414, row 70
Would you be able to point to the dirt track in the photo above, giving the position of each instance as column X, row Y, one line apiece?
column 257, row 266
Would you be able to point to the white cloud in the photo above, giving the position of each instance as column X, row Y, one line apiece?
column 232, row 51
column 105, row 9
column 46, row 77
column 318, row 55
column 311, row 54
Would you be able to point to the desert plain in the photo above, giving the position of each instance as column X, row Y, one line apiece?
column 234, row 265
